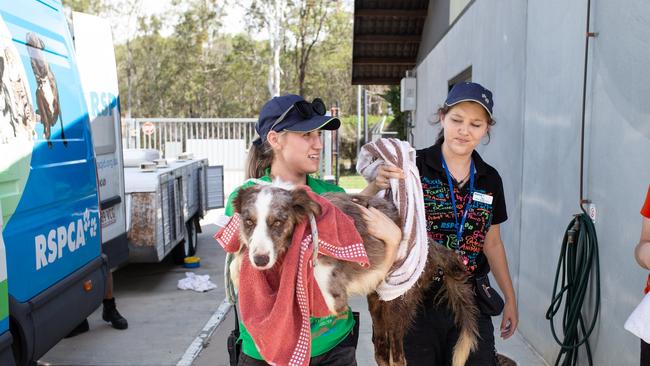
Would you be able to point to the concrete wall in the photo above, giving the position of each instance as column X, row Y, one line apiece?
column 531, row 54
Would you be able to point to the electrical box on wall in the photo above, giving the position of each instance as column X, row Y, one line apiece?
column 407, row 94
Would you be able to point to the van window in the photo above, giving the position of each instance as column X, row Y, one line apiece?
column 102, row 110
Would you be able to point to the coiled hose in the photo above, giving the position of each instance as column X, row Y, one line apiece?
column 578, row 259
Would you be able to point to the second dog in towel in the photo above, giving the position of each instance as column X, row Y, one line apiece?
column 279, row 210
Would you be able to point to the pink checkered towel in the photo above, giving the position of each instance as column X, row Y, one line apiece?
column 276, row 304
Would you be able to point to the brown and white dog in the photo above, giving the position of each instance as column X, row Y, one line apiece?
column 269, row 214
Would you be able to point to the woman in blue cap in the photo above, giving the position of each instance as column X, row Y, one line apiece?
column 464, row 205
column 288, row 148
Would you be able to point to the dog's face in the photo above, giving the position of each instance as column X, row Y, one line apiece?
column 268, row 217
column 35, row 51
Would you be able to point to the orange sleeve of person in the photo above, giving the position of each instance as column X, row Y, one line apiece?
column 645, row 210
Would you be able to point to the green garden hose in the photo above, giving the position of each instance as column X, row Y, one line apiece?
column 578, row 261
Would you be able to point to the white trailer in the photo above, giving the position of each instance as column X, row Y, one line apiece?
column 164, row 204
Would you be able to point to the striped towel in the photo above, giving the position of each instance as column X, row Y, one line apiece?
column 407, row 196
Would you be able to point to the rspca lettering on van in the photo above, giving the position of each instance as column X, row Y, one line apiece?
column 64, row 239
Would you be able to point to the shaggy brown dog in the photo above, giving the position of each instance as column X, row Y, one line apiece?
column 268, row 215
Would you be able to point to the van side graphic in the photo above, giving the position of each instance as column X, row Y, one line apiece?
column 47, row 93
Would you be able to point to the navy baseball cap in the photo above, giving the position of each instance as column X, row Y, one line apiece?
column 292, row 113
column 470, row 92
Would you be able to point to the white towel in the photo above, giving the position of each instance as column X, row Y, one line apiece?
column 195, row 282
column 639, row 321
column 407, row 196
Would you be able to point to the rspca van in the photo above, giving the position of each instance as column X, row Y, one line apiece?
column 55, row 272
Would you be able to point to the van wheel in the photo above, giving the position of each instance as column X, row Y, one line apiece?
column 17, row 347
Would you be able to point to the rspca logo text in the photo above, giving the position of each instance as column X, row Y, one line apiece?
column 52, row 246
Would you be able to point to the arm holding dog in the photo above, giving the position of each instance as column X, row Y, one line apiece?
column 383, row 228
column 496, row 255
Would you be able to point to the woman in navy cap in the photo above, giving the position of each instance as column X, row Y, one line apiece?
column 464, row 205
column 288, row 148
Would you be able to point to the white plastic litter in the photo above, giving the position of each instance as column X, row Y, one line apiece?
column 639, row 321
column 198, row 283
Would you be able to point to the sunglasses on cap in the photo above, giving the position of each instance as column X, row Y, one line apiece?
column 305, row 109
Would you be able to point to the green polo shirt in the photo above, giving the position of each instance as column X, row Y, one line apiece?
column 326, row 333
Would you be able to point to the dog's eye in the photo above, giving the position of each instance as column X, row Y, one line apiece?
column 248, row 223
column 277, row 223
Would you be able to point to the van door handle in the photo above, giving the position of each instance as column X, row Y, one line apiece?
column 110, row 202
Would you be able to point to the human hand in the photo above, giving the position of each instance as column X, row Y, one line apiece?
column 510, row 319
column 383, row 228
column 385, row 173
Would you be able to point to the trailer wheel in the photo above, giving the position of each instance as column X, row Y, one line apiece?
column 192, row 237
column 187, row 247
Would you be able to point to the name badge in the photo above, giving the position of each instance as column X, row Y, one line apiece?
column 484, row 198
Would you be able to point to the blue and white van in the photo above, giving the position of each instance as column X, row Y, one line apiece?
column 55, row 272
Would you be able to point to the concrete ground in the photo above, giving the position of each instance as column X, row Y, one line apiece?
column 215, row 353
column 168, row 326
column 163, row 320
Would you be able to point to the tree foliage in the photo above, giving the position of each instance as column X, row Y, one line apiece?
column 399, row 122
column 199, row 71
column 86, row 6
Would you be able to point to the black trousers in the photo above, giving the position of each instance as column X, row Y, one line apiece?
column 433, row 335
column 645, row 354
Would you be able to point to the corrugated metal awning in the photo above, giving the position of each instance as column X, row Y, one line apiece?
column 386, row 39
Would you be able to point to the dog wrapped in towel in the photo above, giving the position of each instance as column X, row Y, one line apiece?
column 277, row 277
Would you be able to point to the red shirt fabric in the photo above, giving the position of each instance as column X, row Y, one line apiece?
column 645, row 211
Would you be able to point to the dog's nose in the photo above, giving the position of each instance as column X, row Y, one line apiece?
column 261, row 260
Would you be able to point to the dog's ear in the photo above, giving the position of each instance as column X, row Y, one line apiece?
column 303, row 204
column 243, row 196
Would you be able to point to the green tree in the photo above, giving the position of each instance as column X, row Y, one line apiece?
column 399, row 122
column 269, row 17
column 86, row 6
column 307, row 28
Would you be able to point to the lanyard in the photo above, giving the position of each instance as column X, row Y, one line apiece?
column 460, row 228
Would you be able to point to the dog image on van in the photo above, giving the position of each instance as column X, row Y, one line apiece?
column 22, row 104
column 269, row 213
column 17, row 116
column 47, row 93
column 8, row 120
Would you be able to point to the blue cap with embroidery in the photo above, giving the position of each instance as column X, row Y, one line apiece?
column 293, row 113
column 470, row 92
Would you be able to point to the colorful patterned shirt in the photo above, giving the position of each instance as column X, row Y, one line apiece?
column 488, row 206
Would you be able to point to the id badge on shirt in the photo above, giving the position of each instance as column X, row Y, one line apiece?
column 483, row 198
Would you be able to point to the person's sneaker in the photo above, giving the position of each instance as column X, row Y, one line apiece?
column 111, row 315
column 81, row 328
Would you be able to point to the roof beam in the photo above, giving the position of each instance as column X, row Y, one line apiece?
column 375, row 81
column 386, row 38
column 395, row 13
column 407, row 61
